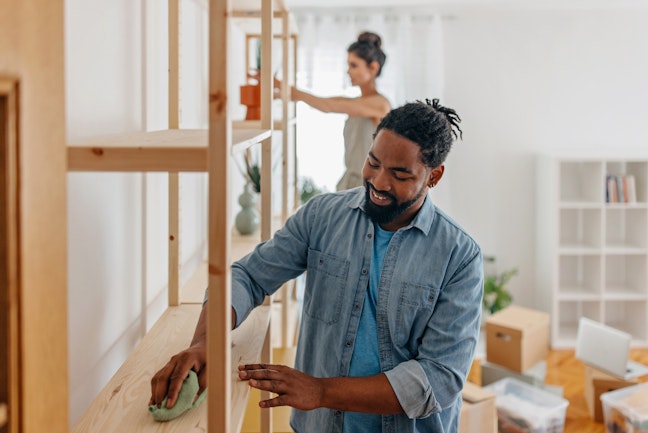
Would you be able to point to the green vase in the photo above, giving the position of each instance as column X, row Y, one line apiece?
column 247, row 220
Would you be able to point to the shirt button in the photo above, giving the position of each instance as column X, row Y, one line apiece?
column 356, row 307
column 338, row 413
column 349, row 343
column 369, row 236
column 364, row 272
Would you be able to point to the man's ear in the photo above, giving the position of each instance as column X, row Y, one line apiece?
column 435, row 175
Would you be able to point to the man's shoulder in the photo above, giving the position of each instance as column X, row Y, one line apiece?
column 445, row 223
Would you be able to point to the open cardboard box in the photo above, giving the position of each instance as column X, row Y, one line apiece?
column 478, row 413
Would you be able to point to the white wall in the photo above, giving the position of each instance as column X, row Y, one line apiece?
column 530, row 80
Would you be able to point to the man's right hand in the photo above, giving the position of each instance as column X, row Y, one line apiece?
column 168, row 381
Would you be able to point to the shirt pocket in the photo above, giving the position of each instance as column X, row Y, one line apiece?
column 326, row 279
column 415, row 305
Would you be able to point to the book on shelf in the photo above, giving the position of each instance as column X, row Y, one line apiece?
column 632, row 190
column 620, row 189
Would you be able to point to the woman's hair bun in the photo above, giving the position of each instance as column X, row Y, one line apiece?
column 370, row 38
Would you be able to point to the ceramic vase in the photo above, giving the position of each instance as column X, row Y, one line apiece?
column 248, row 218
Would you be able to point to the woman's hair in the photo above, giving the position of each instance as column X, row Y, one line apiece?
column 367, row 47
column 429, row 124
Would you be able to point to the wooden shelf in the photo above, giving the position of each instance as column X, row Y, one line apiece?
column 256, row 124
column 122, row 404
column 3, row 414
column 171, row 150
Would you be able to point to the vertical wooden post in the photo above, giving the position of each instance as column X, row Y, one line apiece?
column 174, row 177
column 295, row 171
column 219, row 305
column 9, row 253
column 267, row 87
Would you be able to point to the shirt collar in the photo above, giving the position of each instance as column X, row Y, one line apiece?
column 422, row 220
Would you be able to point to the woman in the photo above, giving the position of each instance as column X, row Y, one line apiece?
column 365, row 60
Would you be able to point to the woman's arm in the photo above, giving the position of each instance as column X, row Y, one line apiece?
column 373, row 106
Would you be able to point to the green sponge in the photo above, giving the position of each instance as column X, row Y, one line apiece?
column 183, row 403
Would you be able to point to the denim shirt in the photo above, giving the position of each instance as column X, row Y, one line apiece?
column 428, row 307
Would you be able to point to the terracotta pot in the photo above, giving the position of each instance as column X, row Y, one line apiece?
column 251, row 98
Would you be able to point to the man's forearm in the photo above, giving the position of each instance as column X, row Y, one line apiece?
column 200, row 334
column 371, row 394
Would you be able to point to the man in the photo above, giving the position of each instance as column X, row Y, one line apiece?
column 393, row 293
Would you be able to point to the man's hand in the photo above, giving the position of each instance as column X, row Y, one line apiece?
column 168, row 381
column 293, row 388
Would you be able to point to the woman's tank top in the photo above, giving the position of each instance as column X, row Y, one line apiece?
column 358, row 136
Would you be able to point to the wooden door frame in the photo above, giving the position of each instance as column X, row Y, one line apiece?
column 9, row 243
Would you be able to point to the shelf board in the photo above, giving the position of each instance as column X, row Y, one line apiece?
column 122, row 404
column 171, row 150
column 576, row 294
column 3, row 414
column 256, row 124
column 625, row 250
column 576, row 205
column 624, row 295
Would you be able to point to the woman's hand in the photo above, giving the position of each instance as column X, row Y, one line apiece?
column 293, row 388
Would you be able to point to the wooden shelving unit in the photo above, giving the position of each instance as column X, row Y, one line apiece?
column 121, row 406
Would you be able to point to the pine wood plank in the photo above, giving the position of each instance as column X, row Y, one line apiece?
column 3, row 414
column 179, row 150
column 122, row 405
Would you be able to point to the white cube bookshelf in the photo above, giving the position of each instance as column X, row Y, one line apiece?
column 592, row 255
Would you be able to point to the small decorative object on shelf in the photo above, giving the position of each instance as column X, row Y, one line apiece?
column 250, row 93
column 251, row 98
column 247, row 220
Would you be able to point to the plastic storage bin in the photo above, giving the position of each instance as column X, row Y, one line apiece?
column 625, row 410
column 525, row 408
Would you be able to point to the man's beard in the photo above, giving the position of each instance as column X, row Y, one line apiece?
column 387, row 213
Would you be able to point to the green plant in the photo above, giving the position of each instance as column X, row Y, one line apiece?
column 308, row 189
column 496, row 297
column 252, row 172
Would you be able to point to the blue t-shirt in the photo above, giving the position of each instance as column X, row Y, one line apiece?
column 365, row 361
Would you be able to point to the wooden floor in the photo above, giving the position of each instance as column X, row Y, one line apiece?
column 564, row 370
column 568, row 372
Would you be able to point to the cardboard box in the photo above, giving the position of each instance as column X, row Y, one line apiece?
column 478, row 413
column 597, row 383
column 517, row 338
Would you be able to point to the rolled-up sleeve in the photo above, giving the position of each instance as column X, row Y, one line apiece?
column 413, row 390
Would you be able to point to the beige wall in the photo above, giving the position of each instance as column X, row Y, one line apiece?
column 31, row 49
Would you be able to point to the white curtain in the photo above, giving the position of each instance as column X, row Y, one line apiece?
column 412, row 41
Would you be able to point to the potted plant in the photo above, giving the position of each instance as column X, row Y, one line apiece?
column 309, row 189
column 496, row 296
